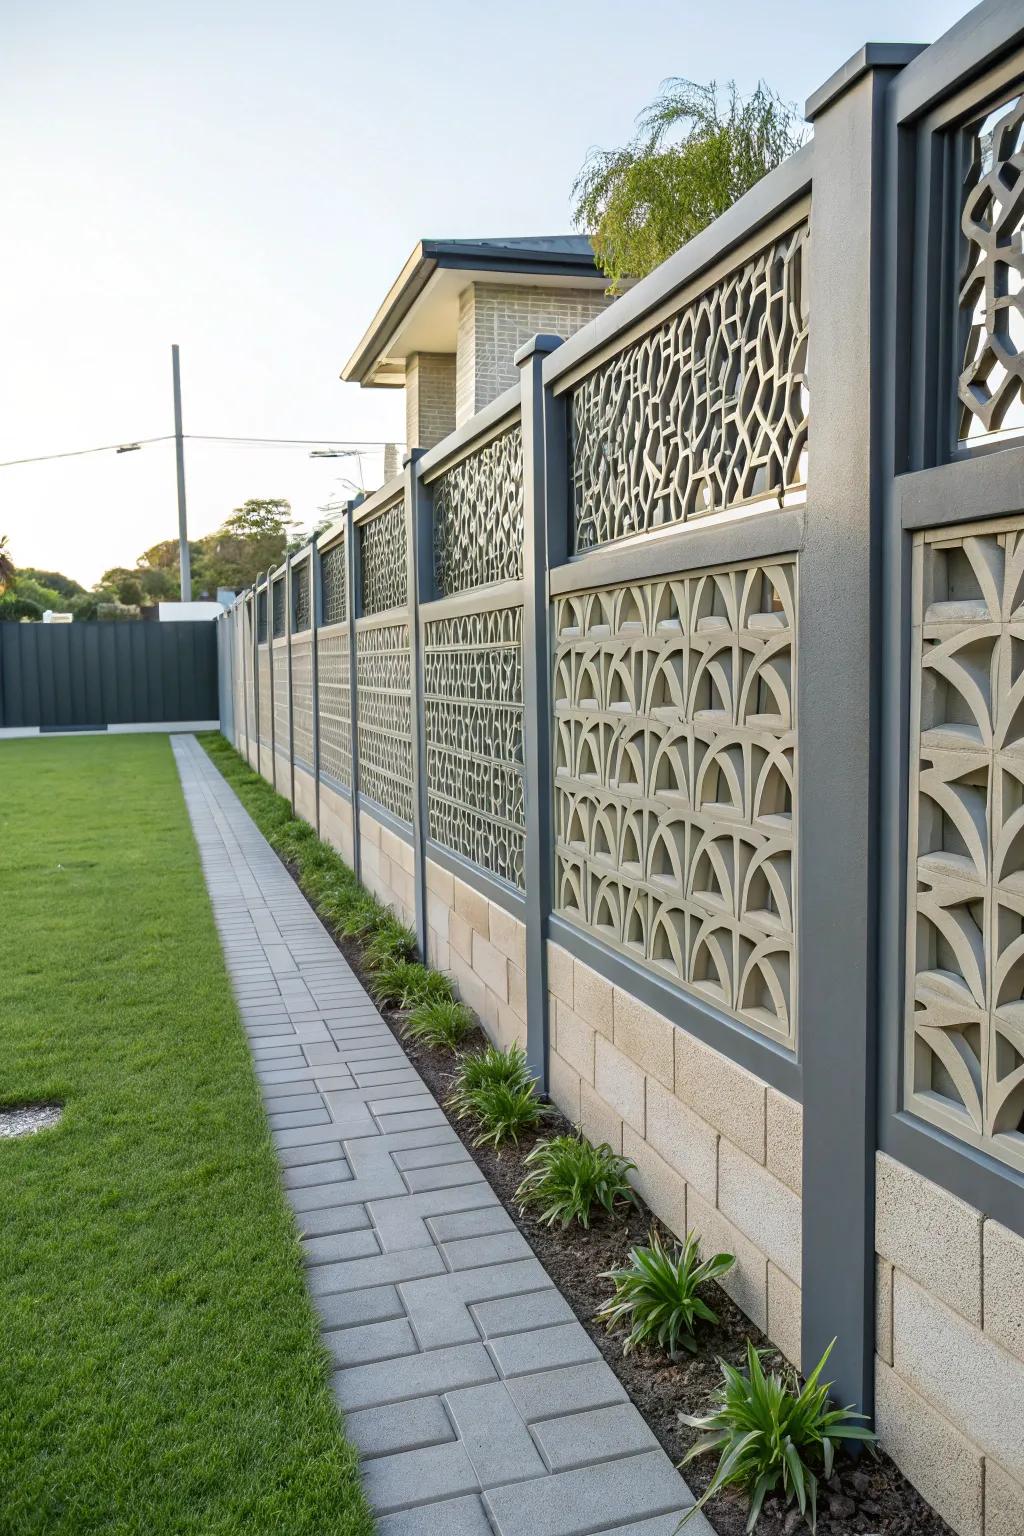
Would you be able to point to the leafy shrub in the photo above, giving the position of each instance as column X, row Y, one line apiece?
column 770, row 1432
column 656, row 1294
column 442, row 1023
column 405, row 984
column 497, row 1090
column 567, row 1177
column 363, row 915
column 392, row 941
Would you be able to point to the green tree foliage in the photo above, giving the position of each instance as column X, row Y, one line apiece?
column 253, row 539
column 64, row 586
column 31, row 591
column 696, row 150
column 14, row 607
column 6, row 564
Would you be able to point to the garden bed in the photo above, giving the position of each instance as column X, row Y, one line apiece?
column 869, row 1495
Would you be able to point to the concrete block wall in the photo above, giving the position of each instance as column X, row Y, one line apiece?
column 336, row 822
column 950, row 1351
column 483, row 948
column 429, row 398
column 717, row 1150
column 495, row 319
column 387, row 866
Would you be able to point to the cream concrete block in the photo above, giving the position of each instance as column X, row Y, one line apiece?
column 470, row 988
column 574, row 1042
column 930, row 1235
column 438, row 913
column 761, row 1206
column 599, row 1122
column 460, row 937
column 560, row 965
column 747, row 1281
column 511, row 1028
column 391, row 844
column 441, row 882
column 644, row 1036
column 489, row 1013
column 722, row 1093
column 970, row 1380
column 1004, row 1502
column 373, row 862
column 784, row 1314
column 442, row 955
column 785, row 1139
column 883, row 1309
column 620, row 1083
column 508, row 935
column 941, row 1464
column 517, row 991
column 660, row 1185
column 1004, row 1289
column 473, row 907
column 592, row 998
column 683, row 1139
column 406, row 857
column 369, row 829
column 404, row 889
column 490, row 966
column 564, row 1087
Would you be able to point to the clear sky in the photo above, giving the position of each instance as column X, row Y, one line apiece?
column 247, row 178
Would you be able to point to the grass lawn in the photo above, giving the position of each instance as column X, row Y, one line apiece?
column 159, row 1364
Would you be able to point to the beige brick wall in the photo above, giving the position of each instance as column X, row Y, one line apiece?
column 386, row 862
column 716, row 1149
column 483, row 948
column 950, row 1351
column 336, row 822
column 495, row 319
column 429, row 398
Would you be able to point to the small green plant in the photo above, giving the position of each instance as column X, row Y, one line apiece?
column 405, row 984
column 442, row 1023
column 362, row 916
column 566, row 1177
column 657, row 1294
column 497, row 1090
column 771, row 1431
column 392, row 941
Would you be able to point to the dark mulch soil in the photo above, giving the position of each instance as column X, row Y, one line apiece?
column 869, row 1495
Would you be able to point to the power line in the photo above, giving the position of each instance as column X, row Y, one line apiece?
column 199, row 437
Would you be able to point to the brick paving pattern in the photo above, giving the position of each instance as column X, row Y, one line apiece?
column 479, row 1404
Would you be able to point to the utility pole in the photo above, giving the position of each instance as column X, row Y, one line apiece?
column 179, row 453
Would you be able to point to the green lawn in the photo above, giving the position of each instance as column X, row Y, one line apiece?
column 159, row 1364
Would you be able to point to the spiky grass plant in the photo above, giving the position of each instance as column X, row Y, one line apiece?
column 769, row 1431
column 657, row 1294
column 442, row 1023
column 391, row 941
column 566, row 1178
column 362, row 916
column 404, row 984
column 496, row 1089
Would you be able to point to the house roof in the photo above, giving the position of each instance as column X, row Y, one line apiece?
column 420, row 310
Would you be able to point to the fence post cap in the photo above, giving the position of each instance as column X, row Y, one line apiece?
column 537, row 344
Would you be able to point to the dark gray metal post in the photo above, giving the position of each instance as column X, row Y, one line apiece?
column 838, row 720
column 270, row 664
column 420, row 584
column 545, row 511
column 288, row 627
column 315, row 615
column 352, row 606
column 184, row 557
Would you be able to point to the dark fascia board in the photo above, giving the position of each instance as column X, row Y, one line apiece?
column 970, row 47
column 459, row 255
column 871, row 56
column 772, row 194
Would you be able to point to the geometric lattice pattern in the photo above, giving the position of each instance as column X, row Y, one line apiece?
column 334, row 709
column 334, row 584
column 478, row 517
column 282, row 728
column 705, row 412
column 261, row 617
column 301, row 611
column 964, row 1065
column 302, row 700
column 279, row 613
column 383, row 555
column 473, row 703
column 991, row 382
column 674, row 781
column 383, row 716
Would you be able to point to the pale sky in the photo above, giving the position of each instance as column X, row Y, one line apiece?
column 247, row 178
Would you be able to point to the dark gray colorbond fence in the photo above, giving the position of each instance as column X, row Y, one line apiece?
column 82, row 676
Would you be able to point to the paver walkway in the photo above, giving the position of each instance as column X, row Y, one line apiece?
column 479, row 1403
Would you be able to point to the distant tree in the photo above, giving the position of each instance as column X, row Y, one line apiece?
column 14, row 607
column 25, row 586
column 6, row 564
column 251, row 540
column 696, row 150
column 124, row 583
column 65, row 586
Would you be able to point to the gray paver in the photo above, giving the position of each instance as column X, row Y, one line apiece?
column 463, row 1374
